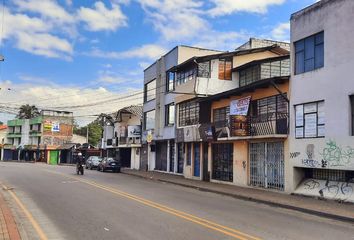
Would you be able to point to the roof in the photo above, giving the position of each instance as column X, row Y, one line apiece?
column 250, row 87
column 256, row 62
column 136, row 110
column 274, row 48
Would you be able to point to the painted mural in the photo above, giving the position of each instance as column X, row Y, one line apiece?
column 323, row 153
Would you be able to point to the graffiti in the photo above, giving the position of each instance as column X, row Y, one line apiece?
column 310, row 151
column 310, row 163
column 335, row 155
column 294, row 154
column 311, row 184
column 340, row 191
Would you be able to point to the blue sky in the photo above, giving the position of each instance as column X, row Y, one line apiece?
column 83, row 53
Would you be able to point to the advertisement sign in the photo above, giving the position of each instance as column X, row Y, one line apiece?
column 134, row 131
column 47, row 126
column 55, row 127
column 240, row 106
column 207, row 132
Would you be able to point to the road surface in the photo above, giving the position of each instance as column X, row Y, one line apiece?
column 61, row 205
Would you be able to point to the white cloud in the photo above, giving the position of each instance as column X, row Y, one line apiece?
column 63, row 97
column 148, row 51
column 101, row 18
column 222, row 40
column 281, row 32
column 225, row 7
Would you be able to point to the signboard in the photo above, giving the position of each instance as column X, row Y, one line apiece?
column 134, row 131
column 55, row 127
column 47, row 126
column 240, row 106
column 149, row 136
column 207, row 132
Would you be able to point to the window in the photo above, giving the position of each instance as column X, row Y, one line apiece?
column 188, row 113
column 170, row 114
column 352, row 110
column 310, row 120
column 225, row 68
column 150, row 91
column 221, row 116
column 204, row 69
column 186, row 75
column 170, row 81
column 309, row 53
column 189, row 154
column 149, row 120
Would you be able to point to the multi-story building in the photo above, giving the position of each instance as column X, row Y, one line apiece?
column 211, row 86
column 322, row 100
column 39, row 138
column 122, row 136
column 158, row 149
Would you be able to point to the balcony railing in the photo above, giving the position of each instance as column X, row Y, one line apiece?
column 261, row 125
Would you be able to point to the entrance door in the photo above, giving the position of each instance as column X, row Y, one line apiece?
column 206, row 175
column 267, row 165
column 161, row 156
column 144, row 158
column 53, row 158
column 172, row 156
column 223, row 162
column 197, row 160
column 180, row 157
column 125, row 157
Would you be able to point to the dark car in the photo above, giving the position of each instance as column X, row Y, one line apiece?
column 109, row 164
column 92, row 162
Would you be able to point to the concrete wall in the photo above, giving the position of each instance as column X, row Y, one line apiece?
column 333, row 83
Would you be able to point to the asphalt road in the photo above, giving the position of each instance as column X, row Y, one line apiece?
column 117, row 206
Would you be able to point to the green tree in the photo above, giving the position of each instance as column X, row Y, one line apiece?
column 95, row 131
column 28, row 111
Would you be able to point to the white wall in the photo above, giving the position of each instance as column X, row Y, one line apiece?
column 333, row 83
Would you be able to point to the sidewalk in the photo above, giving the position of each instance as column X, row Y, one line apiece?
column 8, row 228
column 323, row 208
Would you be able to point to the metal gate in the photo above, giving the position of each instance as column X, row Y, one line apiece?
column 267, row 165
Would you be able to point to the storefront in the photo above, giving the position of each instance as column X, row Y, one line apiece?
column 222, row 162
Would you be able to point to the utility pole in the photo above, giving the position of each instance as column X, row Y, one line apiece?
column 87, row 133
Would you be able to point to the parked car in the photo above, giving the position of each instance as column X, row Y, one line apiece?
column 109, row 164
column 92, row 162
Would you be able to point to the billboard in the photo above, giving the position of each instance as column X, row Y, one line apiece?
column 134, row 131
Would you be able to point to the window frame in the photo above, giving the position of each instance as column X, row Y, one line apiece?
column 188, row 113
column 223, row 62
column 304, row 120
column 168, row 113
column 145, row 118
column 146, row 95
column 300, row 49
column 168, row 81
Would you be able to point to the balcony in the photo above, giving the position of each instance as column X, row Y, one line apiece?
column 248, row 127
column 263, row 69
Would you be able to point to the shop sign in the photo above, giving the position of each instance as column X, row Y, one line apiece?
column 55, row 127
column 240, row 106
column 134, row 131
column 207, row 133
column 47, row 126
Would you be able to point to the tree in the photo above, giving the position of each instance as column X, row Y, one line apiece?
column 27, row 111
column 95, row 132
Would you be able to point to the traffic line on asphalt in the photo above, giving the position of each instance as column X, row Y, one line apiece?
column 34, row 223
column 189, row 217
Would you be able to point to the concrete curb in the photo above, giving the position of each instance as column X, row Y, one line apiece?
column 256, row 200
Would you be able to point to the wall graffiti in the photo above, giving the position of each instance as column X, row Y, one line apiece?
column 335, row 190
column 334, row 155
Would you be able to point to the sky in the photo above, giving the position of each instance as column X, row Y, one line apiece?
column 88, row 56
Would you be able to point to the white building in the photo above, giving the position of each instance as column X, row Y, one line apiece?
column 158, row 150
column 322, row 100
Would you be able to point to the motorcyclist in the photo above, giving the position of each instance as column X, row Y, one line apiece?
column 80, row 162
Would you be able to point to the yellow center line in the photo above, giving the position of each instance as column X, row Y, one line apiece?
column 34, row 223
column 203, row 222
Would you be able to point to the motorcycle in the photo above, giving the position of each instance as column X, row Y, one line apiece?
column 80, row 169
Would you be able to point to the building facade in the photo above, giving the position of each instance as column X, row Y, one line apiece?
column 322, row 101
column 159, row 145
column 40, row 138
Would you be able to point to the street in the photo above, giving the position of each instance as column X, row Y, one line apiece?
column 118, row 206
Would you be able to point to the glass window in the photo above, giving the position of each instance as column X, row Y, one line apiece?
column 170, row 114
column 150, row 91
column 221, row 116
column 185, row 75
column 204, row 69
column 149, row 120
column 310, row 120
column 225, row 69
column 309, row 53
column 170, row 81
column 188, row 113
